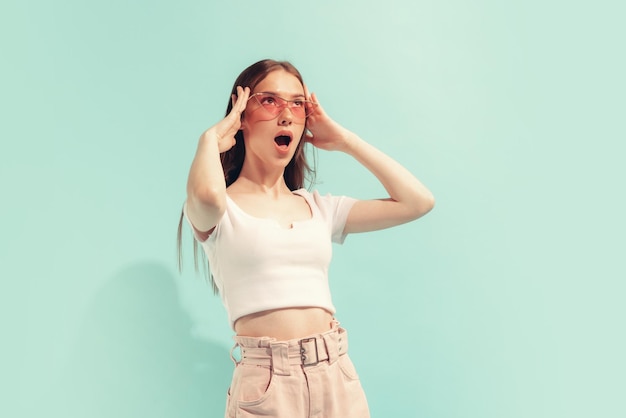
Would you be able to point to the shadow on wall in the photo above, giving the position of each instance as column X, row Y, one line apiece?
column 135, row 356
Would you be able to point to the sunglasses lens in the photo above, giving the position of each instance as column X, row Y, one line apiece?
column 299, row 111
column 270, row 103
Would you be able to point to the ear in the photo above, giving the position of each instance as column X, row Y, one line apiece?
column 244, row 122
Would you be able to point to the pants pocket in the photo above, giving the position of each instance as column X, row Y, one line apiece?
column 250, row 389
column 347, row 368
column 228, row 413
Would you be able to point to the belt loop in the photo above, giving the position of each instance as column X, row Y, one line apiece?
column 280, row 358
column 331, row 347
column 232, row 352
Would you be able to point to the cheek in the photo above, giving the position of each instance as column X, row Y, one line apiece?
column 300, row 131
column 250, row 125
column 300, row 145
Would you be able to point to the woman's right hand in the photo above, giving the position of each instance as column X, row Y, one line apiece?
column 206, row 187
column 226, row 129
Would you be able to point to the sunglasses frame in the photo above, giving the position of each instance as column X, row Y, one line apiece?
column 309, row 106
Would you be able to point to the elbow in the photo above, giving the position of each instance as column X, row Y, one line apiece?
column 204, row 210
column 430, row 203
column 213, row 197
column 422, row 206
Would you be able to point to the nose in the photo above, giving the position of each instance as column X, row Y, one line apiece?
column 285, row 117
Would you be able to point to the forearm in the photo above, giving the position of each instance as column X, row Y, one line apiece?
column 206, row 186
column 402, row 186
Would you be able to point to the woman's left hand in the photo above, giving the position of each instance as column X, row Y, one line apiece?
column 323, row 132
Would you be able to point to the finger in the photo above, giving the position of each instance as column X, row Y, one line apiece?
column 309, row 98
column 235, row 99
column 239, row 93
column 242, row 98
column 308, row 137
column 245, row 95
column 318, row 106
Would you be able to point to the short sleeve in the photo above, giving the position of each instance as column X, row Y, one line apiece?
column 334, row 210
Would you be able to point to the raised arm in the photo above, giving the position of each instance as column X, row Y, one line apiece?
column 206, row 186
column 408, row 197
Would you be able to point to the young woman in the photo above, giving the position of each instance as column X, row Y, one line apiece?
column 268, row 242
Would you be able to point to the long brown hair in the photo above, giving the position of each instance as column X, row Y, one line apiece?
column 296, row 172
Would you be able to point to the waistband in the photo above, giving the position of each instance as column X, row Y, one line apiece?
column 280, row 355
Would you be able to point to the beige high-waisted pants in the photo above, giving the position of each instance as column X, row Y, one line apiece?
column 311, row 377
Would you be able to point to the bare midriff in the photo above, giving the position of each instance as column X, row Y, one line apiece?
column 285, row 324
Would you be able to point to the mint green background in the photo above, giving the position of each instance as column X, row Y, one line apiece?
column 506, row 301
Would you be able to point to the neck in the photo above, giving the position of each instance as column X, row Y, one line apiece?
column 261, row 180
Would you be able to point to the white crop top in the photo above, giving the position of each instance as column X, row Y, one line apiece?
column 259, row 265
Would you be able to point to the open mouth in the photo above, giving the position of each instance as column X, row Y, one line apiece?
column 282, row 141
